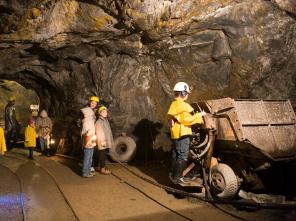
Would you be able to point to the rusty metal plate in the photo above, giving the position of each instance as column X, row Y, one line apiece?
column 270, row 125
column 277, row 141
column 279, row 112
column 260, row 112
column 261, row 137
column 251, row 112
column 224, row 132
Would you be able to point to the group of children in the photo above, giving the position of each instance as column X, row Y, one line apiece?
column 40, row 128
column 97, row 138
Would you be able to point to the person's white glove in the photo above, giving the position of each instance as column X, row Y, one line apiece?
column 203, row 113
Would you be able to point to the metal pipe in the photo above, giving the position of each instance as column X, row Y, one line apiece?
column 203, row 143
column 205, row 180
column 208, row 158
column 211, row 138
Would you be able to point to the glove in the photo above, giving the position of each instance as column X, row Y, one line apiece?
column 203, row 113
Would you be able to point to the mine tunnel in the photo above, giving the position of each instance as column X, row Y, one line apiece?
column 25, row 97
column 235, row 61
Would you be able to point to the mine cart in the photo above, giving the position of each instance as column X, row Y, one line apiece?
column 240, row 138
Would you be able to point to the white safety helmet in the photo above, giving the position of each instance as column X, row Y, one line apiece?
column 181, row 86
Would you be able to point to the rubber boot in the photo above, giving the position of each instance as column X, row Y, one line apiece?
column 47, row 153
column 31, row 156
column 171, row 173
column 178, row 170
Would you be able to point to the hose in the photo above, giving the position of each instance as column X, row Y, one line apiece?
column 203, row 143
column 210, row 141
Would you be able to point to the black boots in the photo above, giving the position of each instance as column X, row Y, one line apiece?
column 31, row 149
column 179, row 167
column 47, row 153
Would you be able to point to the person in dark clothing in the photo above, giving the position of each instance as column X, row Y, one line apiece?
column 12, row 127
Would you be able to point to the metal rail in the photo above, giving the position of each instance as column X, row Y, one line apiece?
column 56, row 183
column 206, row 199
column 21, row 192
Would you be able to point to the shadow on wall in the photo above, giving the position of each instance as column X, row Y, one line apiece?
column 153, row 150
column 152, row 141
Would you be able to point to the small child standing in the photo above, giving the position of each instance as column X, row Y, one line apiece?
column 104, row 140
column 30, row 137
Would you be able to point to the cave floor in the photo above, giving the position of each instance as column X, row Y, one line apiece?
column 52, row 189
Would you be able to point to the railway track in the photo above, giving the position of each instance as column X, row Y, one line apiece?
column 21, row 197
column 20, row 158
column 21, row 193
column 217, row 203
column 132, row 185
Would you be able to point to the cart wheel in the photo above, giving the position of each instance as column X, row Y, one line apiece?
column 124, row 149
column 223, row 181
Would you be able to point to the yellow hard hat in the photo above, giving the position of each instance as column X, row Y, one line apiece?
column 102, row 108
column 12, row 98
column 94, row 98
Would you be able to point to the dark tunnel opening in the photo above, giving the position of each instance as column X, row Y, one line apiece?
column 25, row 97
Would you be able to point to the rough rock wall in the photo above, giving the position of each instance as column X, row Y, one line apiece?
column 131, row 52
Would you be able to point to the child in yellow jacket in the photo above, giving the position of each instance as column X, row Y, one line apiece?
column 30, row 137
column 181, row 117
column 2, row 142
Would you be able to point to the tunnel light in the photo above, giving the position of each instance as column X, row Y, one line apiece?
column 52, row 141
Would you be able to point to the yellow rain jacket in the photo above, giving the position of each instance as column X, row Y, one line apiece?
column 181, row 119
column 30, row 136
column 2, row 142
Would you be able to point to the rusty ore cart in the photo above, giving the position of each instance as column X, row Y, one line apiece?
column 240, row 138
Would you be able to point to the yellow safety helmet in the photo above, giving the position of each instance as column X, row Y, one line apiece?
column 12, row 98
column 94, row 98
column 102, row 108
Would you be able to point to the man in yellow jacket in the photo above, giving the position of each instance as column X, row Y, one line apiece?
column 180, row 119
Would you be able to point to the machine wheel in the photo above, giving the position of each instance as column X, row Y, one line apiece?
column 124, row 149
column 223, row 181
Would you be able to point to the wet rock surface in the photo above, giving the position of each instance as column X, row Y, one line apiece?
column 131, row 53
